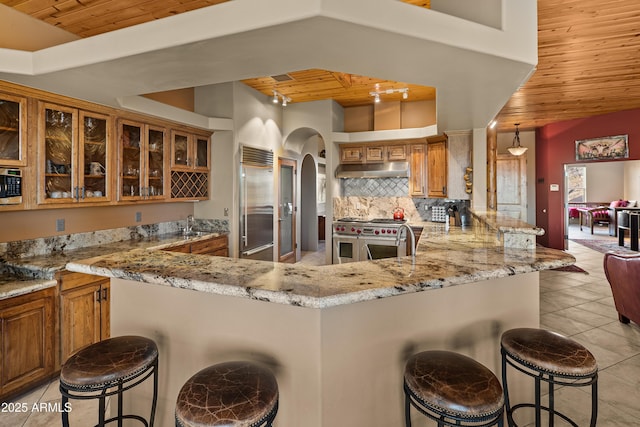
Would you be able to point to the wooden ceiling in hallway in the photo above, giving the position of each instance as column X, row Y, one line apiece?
column 589, row 61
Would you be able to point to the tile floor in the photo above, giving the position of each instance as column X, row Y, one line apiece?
column 575, row 304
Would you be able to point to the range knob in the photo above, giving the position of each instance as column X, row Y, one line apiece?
column 359, row 231
column 353, row 229
column 389, row 231
column 384, row 231
column 395, row 231
column 378, row 232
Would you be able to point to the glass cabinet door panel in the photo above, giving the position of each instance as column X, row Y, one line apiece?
column 12, row 130
column 180, row 152
column 202, row 152
column 93, row 154
column 155, row 162
column 131, row 160
column 59, row 135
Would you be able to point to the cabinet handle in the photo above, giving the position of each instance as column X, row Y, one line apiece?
column 98, row 295
column 105, row 294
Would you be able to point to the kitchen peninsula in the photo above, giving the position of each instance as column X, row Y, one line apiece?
column 336, row 336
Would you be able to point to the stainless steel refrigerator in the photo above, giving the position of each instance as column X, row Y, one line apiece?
column 256, row 203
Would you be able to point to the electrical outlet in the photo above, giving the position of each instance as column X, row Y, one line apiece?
column 226, row 211
column 138, row 216
column 60, row 224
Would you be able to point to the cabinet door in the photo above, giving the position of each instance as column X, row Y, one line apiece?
column 437, row 168
column 396, row 153
column 57, row 136
column 83, row 320
column 180, row 150
column 94, row 166
column 131, row 160
column 417, row 179
column 156, row 156
column 13, row 130
column 350, row 154
column 201, row 152
column 27, row 339
column 374, row 153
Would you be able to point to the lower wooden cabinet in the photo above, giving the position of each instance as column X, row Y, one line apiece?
column 28, row 340
column 84, row 311
column 215, row 246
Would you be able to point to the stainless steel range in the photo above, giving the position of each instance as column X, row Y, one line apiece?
column 361, row 240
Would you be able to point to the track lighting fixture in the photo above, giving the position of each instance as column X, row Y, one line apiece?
column 516, row 149
column 376, row 93
column 285, row 99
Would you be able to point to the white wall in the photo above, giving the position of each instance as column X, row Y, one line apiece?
column 632, row 180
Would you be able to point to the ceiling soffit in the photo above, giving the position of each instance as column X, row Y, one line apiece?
column 241, row 40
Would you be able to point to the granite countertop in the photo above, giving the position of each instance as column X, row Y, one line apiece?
column 445, row 257
column 25, row 275
column 506, row 224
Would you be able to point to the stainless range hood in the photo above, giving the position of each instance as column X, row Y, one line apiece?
column 374, row 170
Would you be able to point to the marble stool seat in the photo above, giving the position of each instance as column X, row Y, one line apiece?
column 108, row 368
column 452, row 389
column 552, row 358
column 231, row 394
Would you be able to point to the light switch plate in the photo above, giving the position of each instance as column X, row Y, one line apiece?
column 60, row 224
column 138, row 216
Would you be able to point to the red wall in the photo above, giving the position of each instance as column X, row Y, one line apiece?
column 555, row 147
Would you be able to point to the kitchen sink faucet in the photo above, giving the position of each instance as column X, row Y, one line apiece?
column 413, row 240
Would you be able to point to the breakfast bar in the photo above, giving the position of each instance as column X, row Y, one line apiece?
column 335, row 336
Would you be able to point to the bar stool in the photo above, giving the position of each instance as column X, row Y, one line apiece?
column 452, row 389
column 231, row 394
column 108, row 368
column 552, row 358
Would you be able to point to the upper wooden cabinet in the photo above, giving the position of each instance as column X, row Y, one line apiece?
column 189, row 151
column 351, row 154
column 393, row 151
column 13, row 130
column 437, row 166
column 418, row 177
column 374, row 153
column 142, row 161
column 73, row 155
column 396, row 153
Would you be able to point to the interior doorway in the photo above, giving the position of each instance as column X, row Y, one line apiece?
column 287, row 210
column 512, row 185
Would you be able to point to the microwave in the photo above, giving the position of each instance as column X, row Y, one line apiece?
column 10, row 186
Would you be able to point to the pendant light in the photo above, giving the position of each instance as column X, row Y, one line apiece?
column 516, row 149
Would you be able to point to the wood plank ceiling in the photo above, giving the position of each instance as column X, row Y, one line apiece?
column 589, row 61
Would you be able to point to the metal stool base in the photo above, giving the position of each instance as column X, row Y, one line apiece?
column 117, row 388
column 552, row 381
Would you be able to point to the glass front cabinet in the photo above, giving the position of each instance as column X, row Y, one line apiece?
column 189, row 151
column 142, row 155
column 13, row 130
column 73, row 155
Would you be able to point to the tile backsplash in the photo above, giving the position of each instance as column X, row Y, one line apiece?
column 374, row 187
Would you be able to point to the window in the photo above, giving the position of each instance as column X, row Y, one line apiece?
column 576, row 184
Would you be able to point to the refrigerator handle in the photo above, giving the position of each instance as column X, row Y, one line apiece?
column 244, row 202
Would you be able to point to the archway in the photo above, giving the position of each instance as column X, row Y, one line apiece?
column 308, row 205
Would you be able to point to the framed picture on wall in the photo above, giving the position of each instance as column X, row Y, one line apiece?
column 604, row 148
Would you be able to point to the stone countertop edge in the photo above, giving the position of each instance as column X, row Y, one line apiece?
column 38, row 272
column 506, row 224
column 11, row 287
column 443, row 259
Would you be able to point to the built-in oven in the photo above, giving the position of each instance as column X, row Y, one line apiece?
column 10, row 186
column 362, row 240
column 345, row 249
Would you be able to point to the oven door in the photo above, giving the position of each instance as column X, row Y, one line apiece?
column 345, row 249
column 381, row 247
